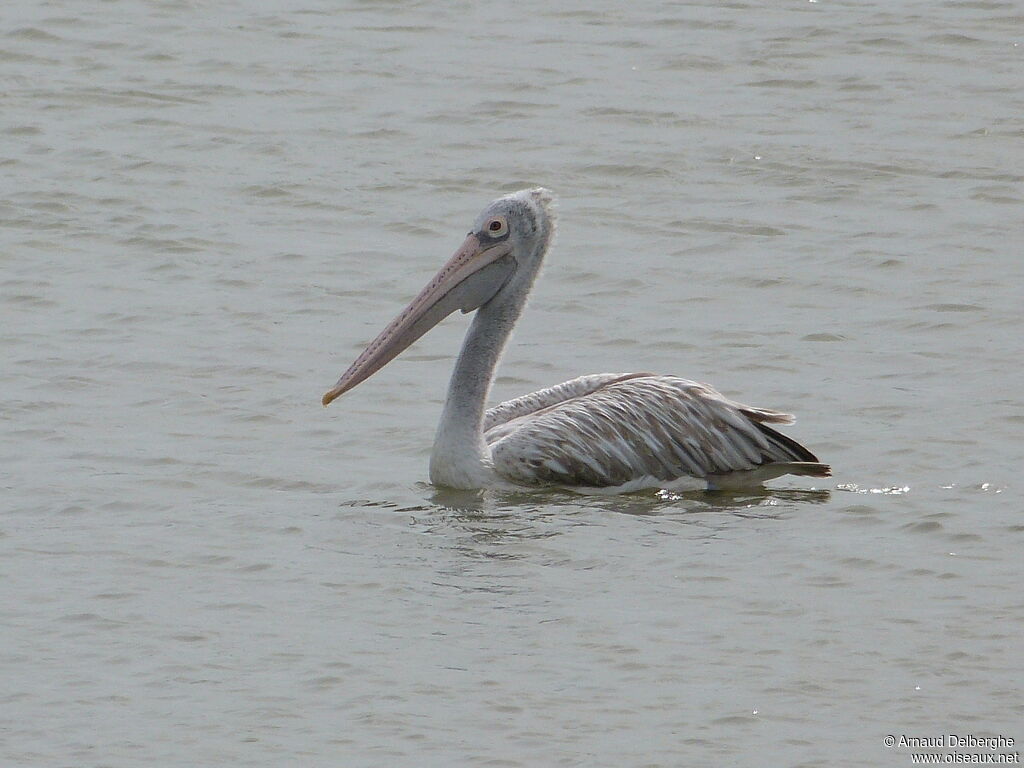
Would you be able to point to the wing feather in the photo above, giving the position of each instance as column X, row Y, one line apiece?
column 609, row 429
column 545, row 398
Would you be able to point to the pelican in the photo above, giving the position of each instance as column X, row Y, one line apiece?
column 602, row 433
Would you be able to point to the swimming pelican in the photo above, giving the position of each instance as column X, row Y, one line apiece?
column 603, row 433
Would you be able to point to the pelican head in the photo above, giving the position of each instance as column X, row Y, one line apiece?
column 501, row 255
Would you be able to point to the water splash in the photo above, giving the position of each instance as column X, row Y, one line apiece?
column 895, row 490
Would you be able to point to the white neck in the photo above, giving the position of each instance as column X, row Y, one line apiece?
column 461, row 458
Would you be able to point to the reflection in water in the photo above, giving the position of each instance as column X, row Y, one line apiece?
column 490, row 518
column 481, row 534
column 477, row 536
column 519, row 504
column 485, row 509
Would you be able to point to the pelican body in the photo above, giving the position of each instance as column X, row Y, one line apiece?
column 602, row 433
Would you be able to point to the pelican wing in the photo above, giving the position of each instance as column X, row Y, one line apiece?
column 608, row 430
column 531, row 404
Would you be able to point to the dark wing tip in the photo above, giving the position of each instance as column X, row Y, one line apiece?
column 786, row 448
column 811, row 469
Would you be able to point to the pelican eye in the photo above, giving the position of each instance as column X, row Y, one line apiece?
column 497, row 227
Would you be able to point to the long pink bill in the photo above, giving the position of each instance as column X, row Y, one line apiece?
column 470, row 278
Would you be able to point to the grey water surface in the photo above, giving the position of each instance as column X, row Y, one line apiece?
column 206, row 209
